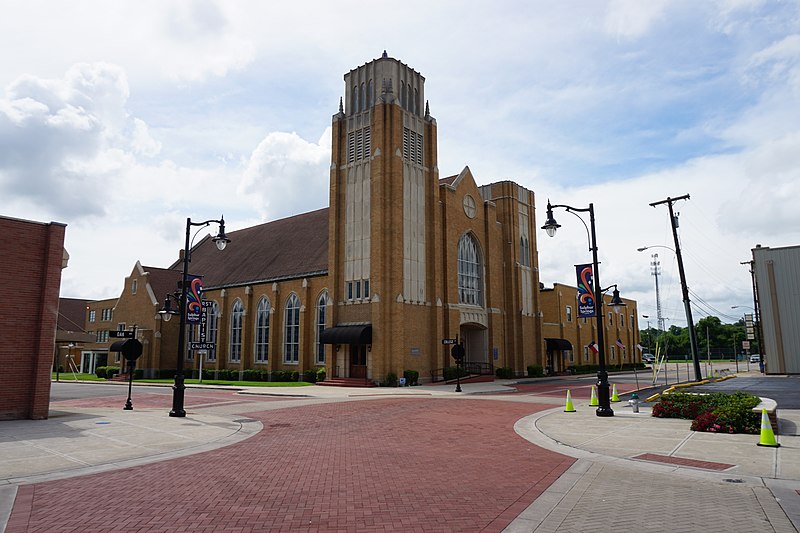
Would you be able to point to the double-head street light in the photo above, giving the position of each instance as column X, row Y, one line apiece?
column 221, row 240
column 550, row 226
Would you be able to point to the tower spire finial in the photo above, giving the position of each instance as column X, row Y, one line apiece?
column 427, row 108
column 385, row 55
column 341, row 105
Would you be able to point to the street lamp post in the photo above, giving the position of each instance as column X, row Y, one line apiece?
column 221, row 240
column 550, row 226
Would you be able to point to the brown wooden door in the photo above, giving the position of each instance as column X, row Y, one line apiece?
column 358, row 361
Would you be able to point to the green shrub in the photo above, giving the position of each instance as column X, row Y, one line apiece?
column 535, row 371
column 251, row 375
column 100, row 372
column 138, row 373
column 716, row 412
column 166, row 373
column 452, row 372
column 111, row 370
column 391, row 380
column 412, row 377
column 321, row 374
column 504, row 372
column 294, row 376
column 310, row 376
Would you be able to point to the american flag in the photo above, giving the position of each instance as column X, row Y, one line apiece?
column 619, row 343
column 640, row 347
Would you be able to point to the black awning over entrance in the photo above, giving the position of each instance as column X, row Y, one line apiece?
column 347, row 335
column 558, row 344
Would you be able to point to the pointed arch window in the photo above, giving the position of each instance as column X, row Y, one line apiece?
column 291, row 346
column 262, row 331
column 470, row 269
column 370, row 94
column 322, row 312
column 354, row 101
column 237, row 313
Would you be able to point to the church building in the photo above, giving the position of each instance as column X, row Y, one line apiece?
column 402, row 261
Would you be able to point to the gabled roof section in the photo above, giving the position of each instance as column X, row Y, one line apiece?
column 162, row 281
column 454, row 181
column 71, row 314
column 288, row 248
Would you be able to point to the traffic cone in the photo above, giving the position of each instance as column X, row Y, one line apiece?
column 593, row 400
column 569, row 408
column 767, row 435
column 614, row 395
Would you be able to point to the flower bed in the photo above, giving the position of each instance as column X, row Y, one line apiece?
column 716, row 412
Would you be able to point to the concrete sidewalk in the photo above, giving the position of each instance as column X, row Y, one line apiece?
column 632, row 469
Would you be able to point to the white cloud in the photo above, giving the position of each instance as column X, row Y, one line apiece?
column 60, row 139
column 287, row 175
column 632, row 18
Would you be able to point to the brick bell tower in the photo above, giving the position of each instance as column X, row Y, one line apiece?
column 383, row 224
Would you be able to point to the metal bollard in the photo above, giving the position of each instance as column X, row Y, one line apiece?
column 634, row 402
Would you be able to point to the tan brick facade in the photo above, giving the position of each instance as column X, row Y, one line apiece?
column 560, row 310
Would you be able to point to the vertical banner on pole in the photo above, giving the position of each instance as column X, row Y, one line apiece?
column 194, row 299
column 586, row 300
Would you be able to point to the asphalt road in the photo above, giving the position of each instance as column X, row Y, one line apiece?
column 783, row 389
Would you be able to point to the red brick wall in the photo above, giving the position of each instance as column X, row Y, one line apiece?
column 30, row 279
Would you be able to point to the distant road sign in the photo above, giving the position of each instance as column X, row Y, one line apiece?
column 120, row 334
column 449, row 341
column 201, row 345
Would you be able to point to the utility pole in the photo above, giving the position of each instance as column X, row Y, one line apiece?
column 756, row 310
column 685, row 289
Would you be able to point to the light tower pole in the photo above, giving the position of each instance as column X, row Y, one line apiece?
column 655, row 264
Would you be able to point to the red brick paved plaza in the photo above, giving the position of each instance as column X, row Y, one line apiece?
column 371, row 465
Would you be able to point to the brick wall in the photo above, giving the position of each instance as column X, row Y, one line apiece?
column 30, row 279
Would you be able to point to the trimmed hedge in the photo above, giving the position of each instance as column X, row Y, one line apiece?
column 535, row 371
column 504, row 372
column 106, row 372
column 412, row 377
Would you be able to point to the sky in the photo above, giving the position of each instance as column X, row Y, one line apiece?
column 122, row 119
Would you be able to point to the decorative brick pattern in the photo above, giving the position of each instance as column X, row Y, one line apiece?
column 680, row 461
column 377, row 465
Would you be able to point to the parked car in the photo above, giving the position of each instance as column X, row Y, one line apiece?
column 755, row 358
column 648, row 358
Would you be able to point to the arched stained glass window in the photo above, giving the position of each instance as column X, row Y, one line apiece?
column 262, row 331
column 237, row 312
column 470, row 269
column 322, row 312
column 291, row 346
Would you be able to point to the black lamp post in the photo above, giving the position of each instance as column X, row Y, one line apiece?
column 550, row 226
column 221, row 240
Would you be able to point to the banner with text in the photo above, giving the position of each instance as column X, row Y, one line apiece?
column 194, row 299
column 586, row 301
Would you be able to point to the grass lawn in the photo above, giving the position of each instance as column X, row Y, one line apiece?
column 69, row 376
column 231, row 383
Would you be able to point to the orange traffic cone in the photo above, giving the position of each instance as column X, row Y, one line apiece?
column 593, row 400
column 569, row 408
column 767, row 435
